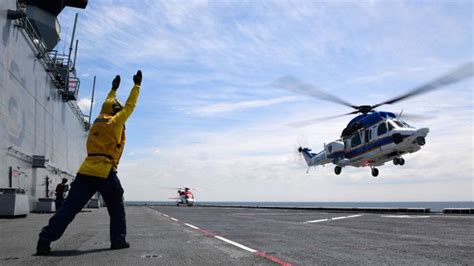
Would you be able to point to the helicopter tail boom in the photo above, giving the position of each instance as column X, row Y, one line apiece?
column 313, row 159
column 307, row 155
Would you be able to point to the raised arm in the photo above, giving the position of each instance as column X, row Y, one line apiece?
column 111, row 96
column 121, row 117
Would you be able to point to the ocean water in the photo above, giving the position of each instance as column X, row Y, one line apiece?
column 435, row 206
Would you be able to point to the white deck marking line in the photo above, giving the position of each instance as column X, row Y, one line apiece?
column 257, row 253
column 192, row 226
column 405, row 216
column 332, row 219
column 454, row 216
column 236, row 244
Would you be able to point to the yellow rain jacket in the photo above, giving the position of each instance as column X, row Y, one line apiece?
column 107, row 136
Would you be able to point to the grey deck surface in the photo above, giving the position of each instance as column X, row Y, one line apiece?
column 154, row 239
column 376, row 239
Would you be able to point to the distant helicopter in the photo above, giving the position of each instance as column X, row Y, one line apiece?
column 185, row 197
column 374, row 137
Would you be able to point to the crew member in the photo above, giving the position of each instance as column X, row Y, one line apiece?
column 61, row 188
column 98, row 172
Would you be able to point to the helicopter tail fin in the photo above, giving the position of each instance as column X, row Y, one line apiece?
column 307, row 154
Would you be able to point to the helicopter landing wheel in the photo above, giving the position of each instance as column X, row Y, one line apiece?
column 396, row 161
column 401, row 161
column 375, row 172
column 337, row 170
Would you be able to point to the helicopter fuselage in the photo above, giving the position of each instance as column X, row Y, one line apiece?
column 370, row 140
column 185, row 201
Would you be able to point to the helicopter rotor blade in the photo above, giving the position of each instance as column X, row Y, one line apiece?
column 462, row 72
column 196, row 188
column 414, row 118
column 292, row 84
column 174, row 188
column 316, row 120
column 183, row 187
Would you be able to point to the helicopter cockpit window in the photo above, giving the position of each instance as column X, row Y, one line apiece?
column 382, row 129
column 355, row 141
column 405, row 123
column 390, row 126
column 398, row 123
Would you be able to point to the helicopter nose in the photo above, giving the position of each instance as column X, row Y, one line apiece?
column 420, row 141
column 423, row 132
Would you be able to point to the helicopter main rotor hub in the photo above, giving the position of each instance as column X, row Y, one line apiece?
column 364, row 108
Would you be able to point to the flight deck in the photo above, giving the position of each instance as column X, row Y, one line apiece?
column 170, row 235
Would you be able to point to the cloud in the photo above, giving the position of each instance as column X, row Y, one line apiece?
column 261, row 156
column 84, row 104
column 206, row 108
column 240, row 106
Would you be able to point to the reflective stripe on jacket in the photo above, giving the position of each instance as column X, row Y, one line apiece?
column 107, row 137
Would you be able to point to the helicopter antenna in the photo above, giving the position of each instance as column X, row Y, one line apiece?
column 400, row 115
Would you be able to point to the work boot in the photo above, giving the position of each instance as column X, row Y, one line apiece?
column 43, row 248
column 120, row 245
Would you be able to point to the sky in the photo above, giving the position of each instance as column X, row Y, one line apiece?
column 210, row 117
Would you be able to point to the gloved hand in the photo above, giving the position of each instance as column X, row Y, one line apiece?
column 137, row 78
column 116, row 83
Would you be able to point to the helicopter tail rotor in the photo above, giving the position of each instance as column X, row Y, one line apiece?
column 307, row 155
column 301, row 141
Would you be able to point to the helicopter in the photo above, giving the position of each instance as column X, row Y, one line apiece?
column 185, row 197
column 373, row 137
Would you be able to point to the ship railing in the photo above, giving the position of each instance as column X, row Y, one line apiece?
column 13, row 151
column 55, row 64
column 58, row 66
column 59, row 60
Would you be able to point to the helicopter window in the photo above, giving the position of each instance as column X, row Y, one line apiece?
column 398, row 123
column 390, row 126
column 405, row 123
column 368, row 134
column 382, row 129
column 355, row 141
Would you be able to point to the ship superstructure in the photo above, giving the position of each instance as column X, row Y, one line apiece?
column 42, row 130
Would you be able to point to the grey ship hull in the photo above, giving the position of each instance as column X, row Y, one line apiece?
column 34, row 118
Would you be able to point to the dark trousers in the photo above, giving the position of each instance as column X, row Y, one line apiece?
column 82, row 189
column 59, row 202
